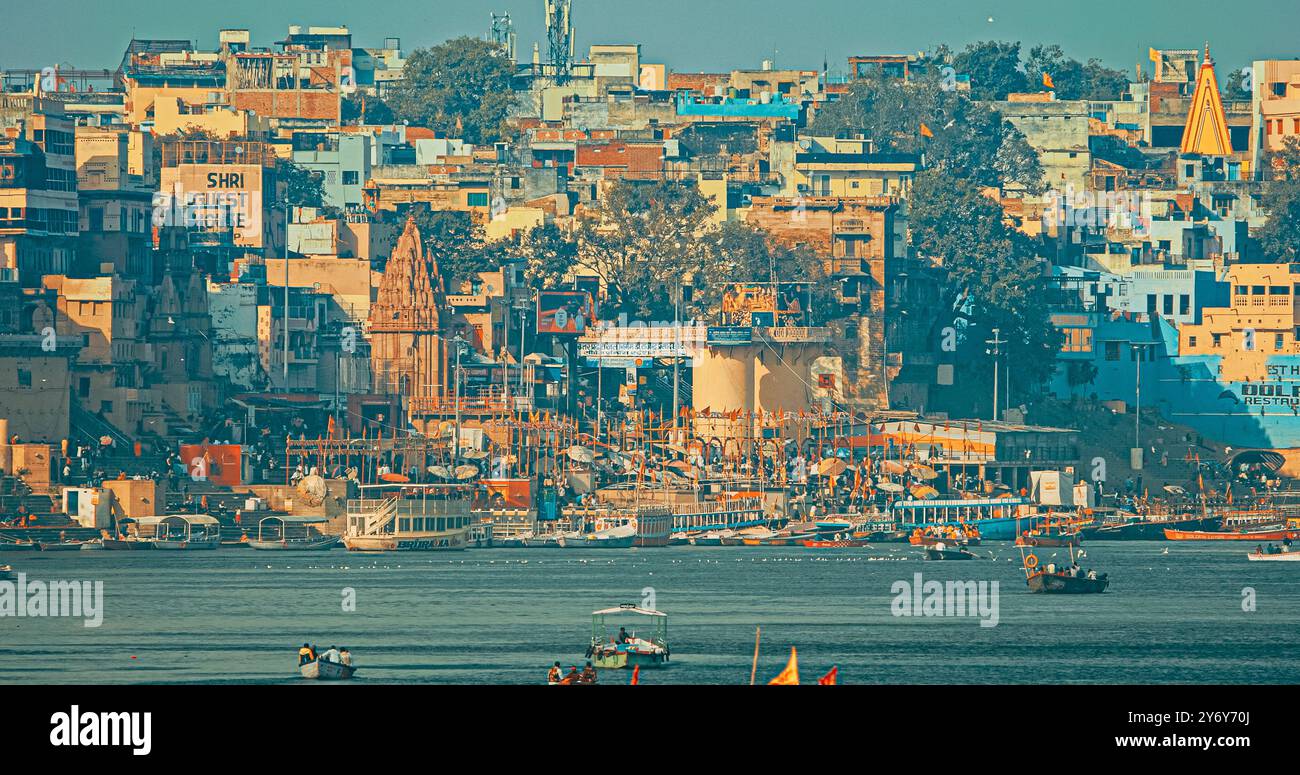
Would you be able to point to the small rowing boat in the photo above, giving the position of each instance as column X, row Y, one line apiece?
column 943, row 552
column 7, row 573
column 60, row 546
column 325, row 670
column 1065, row 584
column 832, row 544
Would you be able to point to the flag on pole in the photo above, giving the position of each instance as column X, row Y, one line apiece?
column 1047, row 81
column 330, row 427
column 925, row 130
column 829, row 678
column 790, row 675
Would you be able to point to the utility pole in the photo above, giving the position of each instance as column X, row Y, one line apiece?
column 288, row 217
column 997, row 341
column 455, row 447
column 677, row 352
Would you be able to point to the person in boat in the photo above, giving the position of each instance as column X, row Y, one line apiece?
column 306, row 654
column 1092, row 575
column 572, row 678
column 345, row 656
column 553, row 675
column 331, row 655
column 623, row 637
column 588, row 675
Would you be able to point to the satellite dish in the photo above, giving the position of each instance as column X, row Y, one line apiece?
column 580, row 454
column 466, row 472
column 440, row 471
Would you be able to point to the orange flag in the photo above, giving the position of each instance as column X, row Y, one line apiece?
column 790, row 675
column 330, row 427
column 1047, row 81
column 925, row 130
column 829, row 678
column 636, row 675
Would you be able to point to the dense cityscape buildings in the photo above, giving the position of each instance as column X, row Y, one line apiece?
column 246, row 285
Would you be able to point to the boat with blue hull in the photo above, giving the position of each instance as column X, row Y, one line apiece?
column 994, row 518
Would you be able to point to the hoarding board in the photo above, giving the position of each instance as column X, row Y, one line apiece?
column 563, row 312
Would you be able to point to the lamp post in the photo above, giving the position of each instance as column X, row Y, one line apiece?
column 460, row 345
column 997, row 341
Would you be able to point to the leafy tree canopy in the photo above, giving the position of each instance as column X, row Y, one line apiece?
column 460, row 87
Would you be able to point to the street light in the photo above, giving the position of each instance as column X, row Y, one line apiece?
column 1139, row 352
column 460, row 345
column 997, row 341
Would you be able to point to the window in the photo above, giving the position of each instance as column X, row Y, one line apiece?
column 351, row 177
column 1277, row 341
column 24, row 378
column 1184, row 304
column 477, row 199
column 1218, row 340
column 1151, row 303
column 1169, row 304
column 1191, row 341
column 1112, row 351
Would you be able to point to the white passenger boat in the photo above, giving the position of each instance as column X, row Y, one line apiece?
column 409, row 517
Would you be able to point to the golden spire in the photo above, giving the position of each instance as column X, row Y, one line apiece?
column 1206, row 131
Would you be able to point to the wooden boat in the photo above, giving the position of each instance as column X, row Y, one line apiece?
column 280, row 536
column 711, row 538
column 1279, row 554
column 127, row 544
column 1071, row 539
column 942, row 552
column 621, row 537
column 1135, row 528
column 60, row 546
column 312, row 544
column 327, row 671
column 788, row 539
column 1231, row 535
column 180, row 532
column 1065, row 584
column 17, row 544
column 185, row 543
column 607, row 652
column 833, row 544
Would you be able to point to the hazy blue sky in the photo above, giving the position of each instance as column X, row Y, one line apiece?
column 686, row 34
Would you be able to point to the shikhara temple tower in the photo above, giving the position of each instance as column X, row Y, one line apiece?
column 407, row 346
column 1206, row 132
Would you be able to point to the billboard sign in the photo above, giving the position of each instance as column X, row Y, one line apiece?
column 563, row 312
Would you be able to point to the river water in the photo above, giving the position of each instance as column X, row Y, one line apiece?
column 504, row 615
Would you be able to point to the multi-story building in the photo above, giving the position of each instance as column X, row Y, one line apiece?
column 38, row 188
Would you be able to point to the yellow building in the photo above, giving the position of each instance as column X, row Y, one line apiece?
column 827, row 166
column 1260, row 323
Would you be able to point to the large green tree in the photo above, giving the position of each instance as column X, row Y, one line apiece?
column 994, row 277
column 643, row 242
column 993, row 67
column 1279, row 238
column 460, row 87
column 1072, row 79
column 970, row 140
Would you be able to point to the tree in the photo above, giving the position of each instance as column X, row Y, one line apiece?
column 1071, row 79
column 460, row 87
column 993, row 67
column 994, row 278
column 971, row 140
column 1280, row 236
column 643, row 242
column 1237, row 86
column 456, row 244
column 302, row 187
column 549, row 255
column 366, row 109
column 738, row 252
